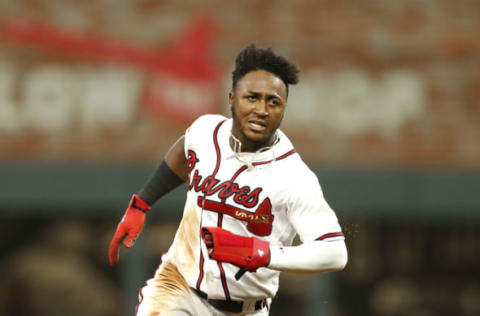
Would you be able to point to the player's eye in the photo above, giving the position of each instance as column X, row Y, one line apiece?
column 251, row 98
column 274, row 102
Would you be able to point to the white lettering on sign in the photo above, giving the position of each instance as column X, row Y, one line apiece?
column 56, row 98
column 49, row 98
column 351, row 102
column 109, row 98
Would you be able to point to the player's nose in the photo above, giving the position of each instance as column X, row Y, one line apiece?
column 261, row 108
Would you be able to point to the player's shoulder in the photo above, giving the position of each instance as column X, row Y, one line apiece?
column 201, row 129
column 301, row 170
column 295, row 168
column 207, row 121
column 303, row 184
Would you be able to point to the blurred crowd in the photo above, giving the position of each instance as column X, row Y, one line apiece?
column 417, row 268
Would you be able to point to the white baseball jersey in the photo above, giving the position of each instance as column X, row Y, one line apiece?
column 271, row 195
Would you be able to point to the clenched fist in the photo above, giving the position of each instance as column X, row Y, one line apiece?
column 248, row 253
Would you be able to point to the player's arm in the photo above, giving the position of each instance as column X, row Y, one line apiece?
column 171, row 173
column 251, row 253
column 323, row 248
column 312, row 257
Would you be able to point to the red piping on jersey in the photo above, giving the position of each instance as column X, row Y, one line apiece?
column 219, row 224
column 217, row 148
column 217, row 166
column 220, row 219
column 285, row 155
column 220, row 216
column 224, row 281
column 330, row 235
column 222, row 272
column 244, row 167
column 200, row 277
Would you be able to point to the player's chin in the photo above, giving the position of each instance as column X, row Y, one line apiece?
column 258, row 138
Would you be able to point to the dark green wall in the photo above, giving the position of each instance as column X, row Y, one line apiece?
column 105, row 190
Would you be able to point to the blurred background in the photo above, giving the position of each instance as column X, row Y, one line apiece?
column 387, row 113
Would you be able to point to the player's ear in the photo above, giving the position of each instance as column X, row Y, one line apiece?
column 230, row 99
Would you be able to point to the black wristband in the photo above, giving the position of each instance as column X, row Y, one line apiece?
column 162, row 181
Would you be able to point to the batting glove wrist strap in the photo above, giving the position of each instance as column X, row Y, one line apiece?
column 248, row 253
column 137, row 203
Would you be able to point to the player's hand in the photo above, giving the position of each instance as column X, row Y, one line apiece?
column 248, row 253
column 129, row 227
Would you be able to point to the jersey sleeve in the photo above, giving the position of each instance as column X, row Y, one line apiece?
column 198, row 129
column 310, row 214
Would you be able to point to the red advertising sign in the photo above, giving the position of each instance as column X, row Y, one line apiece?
column 182, row 80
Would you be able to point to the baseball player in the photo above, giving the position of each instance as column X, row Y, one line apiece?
column 249, row 194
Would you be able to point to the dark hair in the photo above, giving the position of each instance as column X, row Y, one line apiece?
column 252, row 58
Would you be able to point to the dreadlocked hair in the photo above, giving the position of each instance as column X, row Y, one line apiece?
column 252, row 58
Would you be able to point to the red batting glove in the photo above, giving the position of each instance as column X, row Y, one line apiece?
column 248, row 253
column 129, row 227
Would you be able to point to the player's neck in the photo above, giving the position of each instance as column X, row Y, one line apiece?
column 242, row 144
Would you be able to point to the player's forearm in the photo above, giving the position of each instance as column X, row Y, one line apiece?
column 312, row 257
column 162, row 181
column 170, row 174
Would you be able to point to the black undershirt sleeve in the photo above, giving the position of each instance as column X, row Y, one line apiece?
column 162, row 181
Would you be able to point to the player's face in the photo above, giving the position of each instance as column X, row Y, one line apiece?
column 257, row 103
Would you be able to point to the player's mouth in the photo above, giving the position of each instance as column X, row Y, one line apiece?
column 257, row 126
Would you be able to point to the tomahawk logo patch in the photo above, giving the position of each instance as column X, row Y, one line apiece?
column 259, row 222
